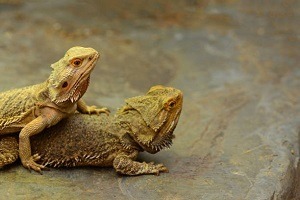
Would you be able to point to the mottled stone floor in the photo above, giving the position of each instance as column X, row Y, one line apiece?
column 237, row 63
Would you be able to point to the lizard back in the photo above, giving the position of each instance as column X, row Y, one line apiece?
column 17, row 103
column 84, row 138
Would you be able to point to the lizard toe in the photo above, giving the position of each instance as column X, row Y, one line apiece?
column 36, row 167
column 162, row 168
column 30, row 164
column 36, row 157
column 102, row 110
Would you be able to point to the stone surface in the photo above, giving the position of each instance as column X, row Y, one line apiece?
column 237, row 63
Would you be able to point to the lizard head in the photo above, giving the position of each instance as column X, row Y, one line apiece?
column 158, row 113
column 70, row 76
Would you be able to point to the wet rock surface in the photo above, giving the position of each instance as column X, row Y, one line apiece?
column 237, row 63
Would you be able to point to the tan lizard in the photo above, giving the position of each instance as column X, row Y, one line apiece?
column 32, row 109
column 145, row 123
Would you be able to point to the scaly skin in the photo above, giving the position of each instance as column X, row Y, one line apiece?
column 32, row 109
column 145, row 123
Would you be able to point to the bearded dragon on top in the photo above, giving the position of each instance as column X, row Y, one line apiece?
column 33, row 108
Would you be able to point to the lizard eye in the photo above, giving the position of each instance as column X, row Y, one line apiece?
column 172, row 104
column 76, row 62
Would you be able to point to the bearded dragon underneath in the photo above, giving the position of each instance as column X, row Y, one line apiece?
column 145, row 123
column 33, row 108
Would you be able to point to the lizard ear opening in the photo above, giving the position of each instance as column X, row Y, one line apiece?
column 65, row 84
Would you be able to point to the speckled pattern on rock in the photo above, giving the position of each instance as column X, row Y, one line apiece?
column 235, row 61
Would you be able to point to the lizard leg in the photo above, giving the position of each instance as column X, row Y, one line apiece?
column 125, row 165
column 32, row 128
column 85, row 109
column 48, row 117
column 8, row 150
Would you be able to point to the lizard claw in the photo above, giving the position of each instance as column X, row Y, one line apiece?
column 162, row 168
column 95, row 110
column 31, row 164
column 156, row 169
column 36, row 157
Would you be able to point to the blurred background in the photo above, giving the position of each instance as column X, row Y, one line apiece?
column 237, row 63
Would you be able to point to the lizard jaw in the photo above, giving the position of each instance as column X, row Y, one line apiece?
column 164, row 138
column 81, row 84
column 79, row 90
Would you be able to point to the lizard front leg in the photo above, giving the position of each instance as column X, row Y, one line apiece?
column 125, row 165
column 85, row 109
column 32, row 128
column 47, row 118
column 8, row 150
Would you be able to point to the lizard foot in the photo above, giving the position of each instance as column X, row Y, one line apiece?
column 31, row 163
column 156, row 169
column 95, row 110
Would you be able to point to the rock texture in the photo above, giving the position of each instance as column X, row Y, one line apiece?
column 236, row 62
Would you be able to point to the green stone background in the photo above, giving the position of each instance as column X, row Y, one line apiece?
column 237, row 63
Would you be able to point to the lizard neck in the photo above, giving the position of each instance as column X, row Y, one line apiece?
column 42, row 92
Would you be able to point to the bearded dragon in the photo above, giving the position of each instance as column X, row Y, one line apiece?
column 145, row 123
column 33, row 108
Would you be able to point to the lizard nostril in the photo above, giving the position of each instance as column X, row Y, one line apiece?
column 65, row 84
